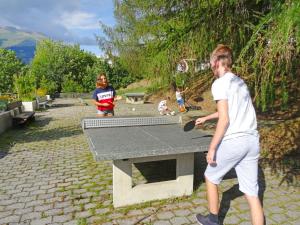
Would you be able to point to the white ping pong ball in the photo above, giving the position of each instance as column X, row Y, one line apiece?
column 133, row 109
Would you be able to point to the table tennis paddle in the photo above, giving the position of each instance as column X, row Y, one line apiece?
column 189, row 126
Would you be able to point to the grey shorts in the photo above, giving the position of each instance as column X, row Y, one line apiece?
column 241, row 153
column 105, row 112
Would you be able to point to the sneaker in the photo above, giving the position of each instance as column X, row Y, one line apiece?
column 204, row 220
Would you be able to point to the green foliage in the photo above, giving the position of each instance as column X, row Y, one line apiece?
column 69, row 85
column 9, row 66
column 24, row 85
column 49, row 85
column 58, row 66
column 152, row 36
column 54, row 61
column 269, row 58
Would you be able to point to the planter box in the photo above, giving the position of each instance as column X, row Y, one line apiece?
column 29, row 106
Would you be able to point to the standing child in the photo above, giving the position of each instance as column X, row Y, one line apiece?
column 180, row 100
column 235, row 143
column 104, row 97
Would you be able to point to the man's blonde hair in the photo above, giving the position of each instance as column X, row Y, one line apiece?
column 222, row 53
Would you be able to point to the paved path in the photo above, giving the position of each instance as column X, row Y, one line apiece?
column 48, row 176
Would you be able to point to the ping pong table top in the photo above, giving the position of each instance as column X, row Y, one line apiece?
column 113, row 139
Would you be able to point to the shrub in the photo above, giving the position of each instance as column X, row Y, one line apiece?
column 281, row 139
column 24, row 85
column 71, row 86
column 48, row 85
column 41, row 92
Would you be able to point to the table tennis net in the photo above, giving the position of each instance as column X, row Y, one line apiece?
column 128, row 122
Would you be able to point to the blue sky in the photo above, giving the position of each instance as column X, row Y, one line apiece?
column 72, row 21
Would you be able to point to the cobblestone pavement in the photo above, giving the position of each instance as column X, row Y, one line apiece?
column 48, row 176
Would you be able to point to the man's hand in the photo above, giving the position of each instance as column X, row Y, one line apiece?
column 210, row 156
column 200, row 120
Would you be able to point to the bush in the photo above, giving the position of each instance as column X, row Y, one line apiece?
column 281, row 139
column 71, row 86
column 41, row 92
column 24, row 85
column 48, row 85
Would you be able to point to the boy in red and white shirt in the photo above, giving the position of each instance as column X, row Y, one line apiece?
column 104, row 97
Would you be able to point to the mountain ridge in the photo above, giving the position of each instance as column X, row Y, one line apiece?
column 20, row 41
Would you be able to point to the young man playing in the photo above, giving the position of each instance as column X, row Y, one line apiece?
column 103, row 97
column 235, row 143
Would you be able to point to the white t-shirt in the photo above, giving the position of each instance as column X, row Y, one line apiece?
column 178, row 95
column 162, row 105
column 242, row 117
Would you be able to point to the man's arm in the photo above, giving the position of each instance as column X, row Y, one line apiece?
column 222, row 125
column 205, row 118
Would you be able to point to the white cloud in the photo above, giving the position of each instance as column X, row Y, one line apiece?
column 79, row 20
column 74, row 21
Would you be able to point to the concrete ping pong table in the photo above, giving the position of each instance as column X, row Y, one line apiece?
column 128, row 140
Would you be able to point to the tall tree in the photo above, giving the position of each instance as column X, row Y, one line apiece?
column 150, row 37
column 9, row 66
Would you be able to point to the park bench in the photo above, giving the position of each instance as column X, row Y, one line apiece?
column 42, row 101
column 135, row 98
column 18, row 115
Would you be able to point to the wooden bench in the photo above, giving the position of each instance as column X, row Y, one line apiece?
column 18, row 115
column 42, row 101
column 135, row 98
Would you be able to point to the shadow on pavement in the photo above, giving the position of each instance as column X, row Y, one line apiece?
column 234, row 193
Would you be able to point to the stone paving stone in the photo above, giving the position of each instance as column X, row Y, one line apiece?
column 31, row 215
column 10, row 219
column 232, row 219
column 179, row 220
column 71, row 222
column 83, row 214
column 44, row 207
column 54, row 212
column 34, row 203
column 165, row 215
column 62, row 218
column 182, row 212
column 192, row 218
column 64, row 204
column 71, row 209
column 15, row 206
column 127, row 221
column 108, row 223
column 161, row 222
column 23, row 211
column 199, row 209
column 42, row 221
column 278, row 217
column 102, row 210
column 6, row 202
column 5, row 213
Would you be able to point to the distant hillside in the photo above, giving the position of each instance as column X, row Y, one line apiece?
column 20, row 41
